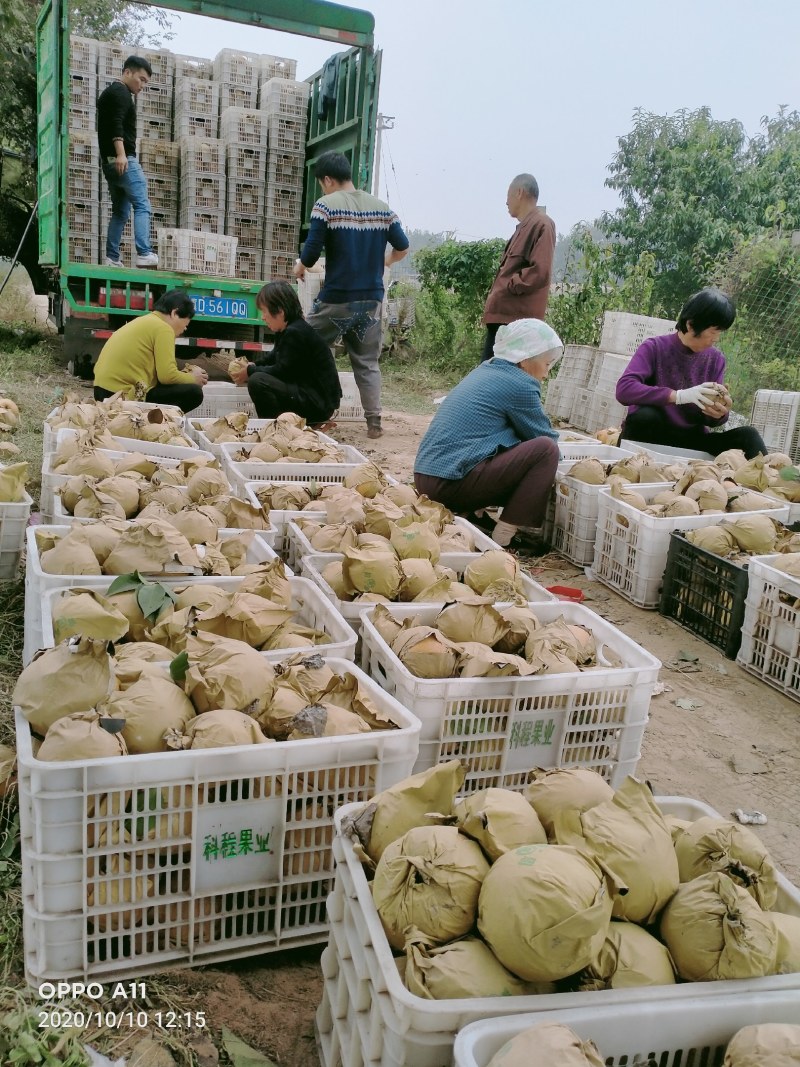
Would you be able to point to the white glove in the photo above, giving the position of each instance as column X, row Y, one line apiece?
column 702, row 395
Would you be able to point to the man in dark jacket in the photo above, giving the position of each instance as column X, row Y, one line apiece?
column 127, row 185
column 299, row 374
column 522, row 283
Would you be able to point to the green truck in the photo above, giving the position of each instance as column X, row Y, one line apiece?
column 91, row 300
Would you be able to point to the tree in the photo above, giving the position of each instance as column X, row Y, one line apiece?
column 104, row 20
column 465, row 268
column 686, row 184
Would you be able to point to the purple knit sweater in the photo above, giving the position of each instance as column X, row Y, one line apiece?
column 663, row 364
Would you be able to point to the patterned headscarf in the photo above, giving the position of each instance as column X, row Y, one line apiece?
column 526, row 339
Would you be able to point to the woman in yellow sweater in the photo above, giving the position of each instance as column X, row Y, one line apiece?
column 139, row 359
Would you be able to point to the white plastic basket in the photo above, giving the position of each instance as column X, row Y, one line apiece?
column 604, row 411
column 239, row 474
column 770, row 646
column 579, row 365
column 501, row 727
column 610, row 370
column 775, row 416
column 198, row 427
column 298, row 545
column 591, row 448
column 631, row 548
column 147, row 448
column 669, row 1035
column 37, row 581
column 49, row 433
column 558, row 399
column 623, row 333
column 222, row 398
column 50, row 502
column 312, row 566
column 350, row 409
column 367, row 1015
column 665, row 453
column 573, row 437
column 236, row 842
column 13, row 521
column 311, row 609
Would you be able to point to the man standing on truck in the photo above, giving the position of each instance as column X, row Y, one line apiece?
column 522, row 283
column 353, row 228
column 127, row 185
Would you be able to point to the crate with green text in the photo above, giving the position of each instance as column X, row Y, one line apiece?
column 133, row 864
column 502, row 727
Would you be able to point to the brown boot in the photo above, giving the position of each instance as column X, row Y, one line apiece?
column 374, row 429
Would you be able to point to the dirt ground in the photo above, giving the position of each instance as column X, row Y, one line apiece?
column 738, row 748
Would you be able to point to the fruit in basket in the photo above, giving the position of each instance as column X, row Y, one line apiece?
column 499, row 820
column 621, row 492
column 547, row 1045
column 627, row 833
column 713, row 844
column 324, row 719
column 88, row 461
column 401, row 495
column 628, row 957
column 81, row 735
column 715, row 930
column 426, row 653
column 732, row 459
column 150, row 708
column 9, row 415
column 591, row 471
column 521, row 623
column 367, row 479
column 544, row 911
column 429, row 879
column 479, row 661
column 709, row 494
column 472, row 620
column 223, row 673
column 756, row 534
column 206, row 483
column 171, row 497
column 571, row 788
column 199, row 523
column 418, row 574
column 753, row 475
column 93, row 504
column 12, row 483
column 87, row 613
column 764, row 1045
column 124, row 488
column 414, row 540
column 490, row 567
column 379, row 514
column 680, row 506
column 74, row 676
column 463, row 968
column 405, row 805
column 788, row 927
column 153, row 546
column 372, row 570
column 716, row 539
column 217, row 729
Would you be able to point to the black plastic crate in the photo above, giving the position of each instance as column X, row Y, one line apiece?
column 705, row 593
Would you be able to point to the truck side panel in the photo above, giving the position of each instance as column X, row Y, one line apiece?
column 50, row 37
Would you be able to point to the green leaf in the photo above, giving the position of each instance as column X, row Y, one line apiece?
column 152, row 597
column 178, row 667
column 789, row 474
column 126, row 582
column 242, row 1055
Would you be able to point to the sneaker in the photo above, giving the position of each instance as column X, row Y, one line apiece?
column 374, row 429
column 523, row 544
column 114, row 262
column 484, row 521
column 150, row 260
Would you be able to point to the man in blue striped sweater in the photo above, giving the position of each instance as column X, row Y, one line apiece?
column 353, row 229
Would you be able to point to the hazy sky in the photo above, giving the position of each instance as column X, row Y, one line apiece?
column 483, row 90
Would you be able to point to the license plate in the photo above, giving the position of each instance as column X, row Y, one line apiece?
column 220, row 307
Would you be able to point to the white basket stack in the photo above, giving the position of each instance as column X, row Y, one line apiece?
column 13, row 521
column 239, row 473
column 570, row 526
column 775, row 415
column 367, row 1016
column 632, row 547
column 770, row 646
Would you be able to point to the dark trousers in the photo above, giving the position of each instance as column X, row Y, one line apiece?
column 186, row 396
column 519, row 480
column 651, row 426
column 488, row 344
column 272, row 396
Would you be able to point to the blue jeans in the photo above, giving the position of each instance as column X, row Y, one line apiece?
column 128, row 190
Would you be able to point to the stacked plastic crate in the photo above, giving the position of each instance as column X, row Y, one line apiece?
column 200, row 245
column 285, row 103
column 83, row 162
column 243, row 132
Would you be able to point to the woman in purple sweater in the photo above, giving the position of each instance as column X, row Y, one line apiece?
column 673, row 387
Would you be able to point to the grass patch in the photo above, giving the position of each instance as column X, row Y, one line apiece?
column 409, row 384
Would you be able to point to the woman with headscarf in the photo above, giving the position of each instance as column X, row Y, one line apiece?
column 490, row 444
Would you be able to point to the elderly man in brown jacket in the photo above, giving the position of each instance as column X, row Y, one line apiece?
column 522, row 284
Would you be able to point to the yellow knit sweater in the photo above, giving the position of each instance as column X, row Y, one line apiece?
column 141, row 351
